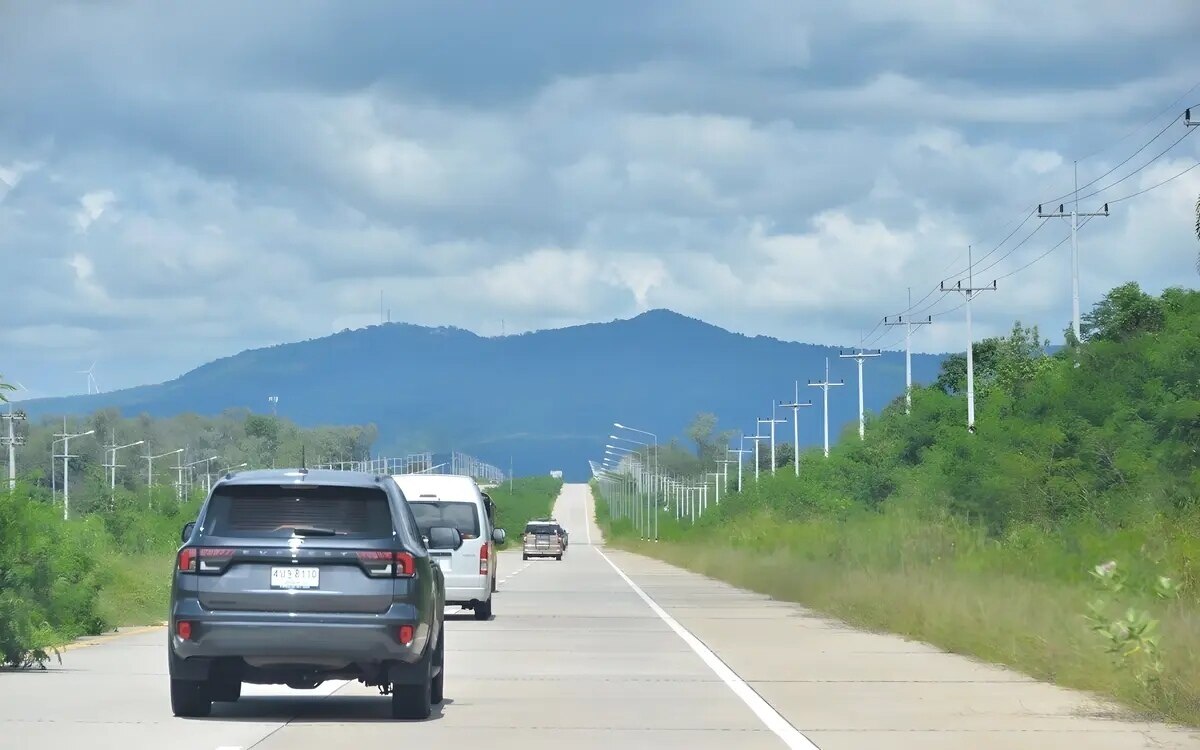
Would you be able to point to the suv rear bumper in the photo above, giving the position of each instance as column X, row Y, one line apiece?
column 298, row 638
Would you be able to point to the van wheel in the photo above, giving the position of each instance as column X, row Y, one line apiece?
column 524, row 557
column 558, row 557
column 190, row 698
column 483, row 610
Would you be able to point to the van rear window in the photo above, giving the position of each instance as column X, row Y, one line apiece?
column 462, row 516
column 256, row 511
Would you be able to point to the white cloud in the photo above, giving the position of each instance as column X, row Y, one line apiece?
column 92, row 206
column 774, row 167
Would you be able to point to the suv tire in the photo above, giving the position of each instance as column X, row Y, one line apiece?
column 414, row 702
column 190, row 698
column 437, row 687
column 483, row 610
column 226, row 690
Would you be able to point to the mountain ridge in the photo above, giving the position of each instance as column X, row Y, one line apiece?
column 437, row 388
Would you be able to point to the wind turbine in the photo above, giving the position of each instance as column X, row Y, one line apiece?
column 91, row 379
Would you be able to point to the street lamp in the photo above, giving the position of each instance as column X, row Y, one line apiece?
column 231, row 468
column 205, row 461
column 66, row 457
column 113, row 466
column 654, row 480
column 150, row 469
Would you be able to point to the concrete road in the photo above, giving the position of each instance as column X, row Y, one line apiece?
column 602, row 649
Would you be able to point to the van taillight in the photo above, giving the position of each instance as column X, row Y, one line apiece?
column 483, row 559
column 387, row 564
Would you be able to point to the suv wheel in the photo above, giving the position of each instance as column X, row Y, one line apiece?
column 438, row 685
column 483, row 610
column 190, row 698
column 226, row 689
column 414, row 702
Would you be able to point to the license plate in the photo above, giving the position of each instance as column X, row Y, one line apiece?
column 295, row 578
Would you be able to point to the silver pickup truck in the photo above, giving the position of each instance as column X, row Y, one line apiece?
column 544, row 539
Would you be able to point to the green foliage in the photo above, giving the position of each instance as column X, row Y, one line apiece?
column 1125, row 312
column 982, row 542
column 522, row 499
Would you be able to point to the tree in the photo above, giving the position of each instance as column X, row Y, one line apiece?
column 1123, row 313
column 4, row 387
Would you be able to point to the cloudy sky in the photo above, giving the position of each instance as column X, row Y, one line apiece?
column 181, row 181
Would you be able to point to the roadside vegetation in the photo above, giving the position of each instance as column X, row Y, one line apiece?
column 1062, row 538
column 522, row 499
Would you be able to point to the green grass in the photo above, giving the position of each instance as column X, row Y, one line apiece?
column 523, row 499
column 1018, row 602
column 137, row 590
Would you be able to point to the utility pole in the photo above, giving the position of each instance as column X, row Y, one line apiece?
column 716, row 475
column 774, row 421
column 756, row 439
column 825, row 385
column 969, row 292
column 11, row 441
column 725, row 473
column 1073, row 215
column 908, row 328
column 861, row 356
column 740, row 453
column 795, row 406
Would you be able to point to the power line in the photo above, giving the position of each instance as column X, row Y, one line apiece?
column 1118, row 166
column 1139, row 169
column 1152, row 187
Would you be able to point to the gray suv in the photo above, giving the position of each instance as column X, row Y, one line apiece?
column 295, row 577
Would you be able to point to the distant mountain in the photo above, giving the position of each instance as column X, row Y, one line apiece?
column 546, row 398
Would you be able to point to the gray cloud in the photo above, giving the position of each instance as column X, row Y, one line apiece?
column 178, row 182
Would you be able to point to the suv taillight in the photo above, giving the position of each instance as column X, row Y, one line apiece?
column 387, row 564
column 204, row 559
column 484, row 557
column 187, row 560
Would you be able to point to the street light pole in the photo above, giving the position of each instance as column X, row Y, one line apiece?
column 150, row 472
column 654, row 479
column 66, row 457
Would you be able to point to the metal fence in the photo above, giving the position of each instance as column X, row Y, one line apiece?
column 454, row 462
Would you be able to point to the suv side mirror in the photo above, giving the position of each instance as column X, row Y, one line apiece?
column 499, row 535
column 444, row 537
column 186, row 534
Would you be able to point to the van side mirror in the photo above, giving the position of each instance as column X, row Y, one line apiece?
column 444, row 537
column 186, row 534
column 499, row 535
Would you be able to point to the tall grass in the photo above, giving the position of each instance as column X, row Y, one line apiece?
column 1017, row 600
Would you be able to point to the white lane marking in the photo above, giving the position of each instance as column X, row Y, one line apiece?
column 755, row 702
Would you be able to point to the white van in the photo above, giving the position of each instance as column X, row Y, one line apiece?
column 451, row 500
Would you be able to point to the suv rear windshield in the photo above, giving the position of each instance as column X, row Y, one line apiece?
column 462, row 516
column 246, row 511
column 541, row 528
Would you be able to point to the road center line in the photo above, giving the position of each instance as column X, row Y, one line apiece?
column 755, row 702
